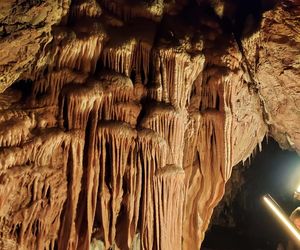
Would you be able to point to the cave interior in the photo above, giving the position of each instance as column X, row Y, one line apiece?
column 131, row 124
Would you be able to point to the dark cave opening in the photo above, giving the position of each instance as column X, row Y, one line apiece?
column 241, row 221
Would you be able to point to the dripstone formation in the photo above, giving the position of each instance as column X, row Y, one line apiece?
column 121, row 120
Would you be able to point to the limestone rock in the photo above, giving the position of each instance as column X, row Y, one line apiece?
column 123, row 129
column 25, row 31
column 273, row 55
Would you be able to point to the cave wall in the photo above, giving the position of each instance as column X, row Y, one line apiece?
column 25, row 31
column 126, row 120
column 273, row 58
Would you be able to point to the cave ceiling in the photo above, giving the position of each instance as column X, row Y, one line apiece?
column 121, row 120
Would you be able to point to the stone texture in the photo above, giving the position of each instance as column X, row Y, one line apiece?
column 25, row 31
column 273, row 55
column 135, row 114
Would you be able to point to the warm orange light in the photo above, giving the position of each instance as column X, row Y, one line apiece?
column 274, row 207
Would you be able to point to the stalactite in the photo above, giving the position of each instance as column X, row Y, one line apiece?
column 196, row 95
column 117, row 89
column 90, row 181
column 46, row 117
column 68, row 238
column 153, row 154
column 38, row 150
column 169, row 124
column 15, row 127
column 120, row 86
column 130, row 131
column 228, row 130
column 227, row 55
column 126, row 112
column 213, row 90
column 222, row 114
column 79, row 103
column 116, row 143
column 119, row 57
column 47, row 89
column 142, row 61
column 8, row 98
column 241, row 117
column 168, row 199
column 110, row 95
column 133, row 183
column 88, row 8
column 81, row 52
column 37, row 196
column 129, row 49
column 127, row 10
column 175, row 73
column 205, row 170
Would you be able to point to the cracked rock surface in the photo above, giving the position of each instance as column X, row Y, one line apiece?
column 273, row 53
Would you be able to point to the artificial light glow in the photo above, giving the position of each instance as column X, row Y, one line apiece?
column 297, row 193
column 282, row 217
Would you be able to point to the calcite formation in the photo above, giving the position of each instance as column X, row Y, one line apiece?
column 120, row 128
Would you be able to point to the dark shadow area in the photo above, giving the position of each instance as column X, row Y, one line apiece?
column 241, row 221
column 24, row 88
column 244, row 16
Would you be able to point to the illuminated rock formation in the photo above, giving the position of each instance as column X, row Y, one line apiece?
column 123, row 129
column 273, row 56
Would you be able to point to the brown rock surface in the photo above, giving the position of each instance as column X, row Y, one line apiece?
column 25, row 30
column 274, row 58
column 131, row 119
